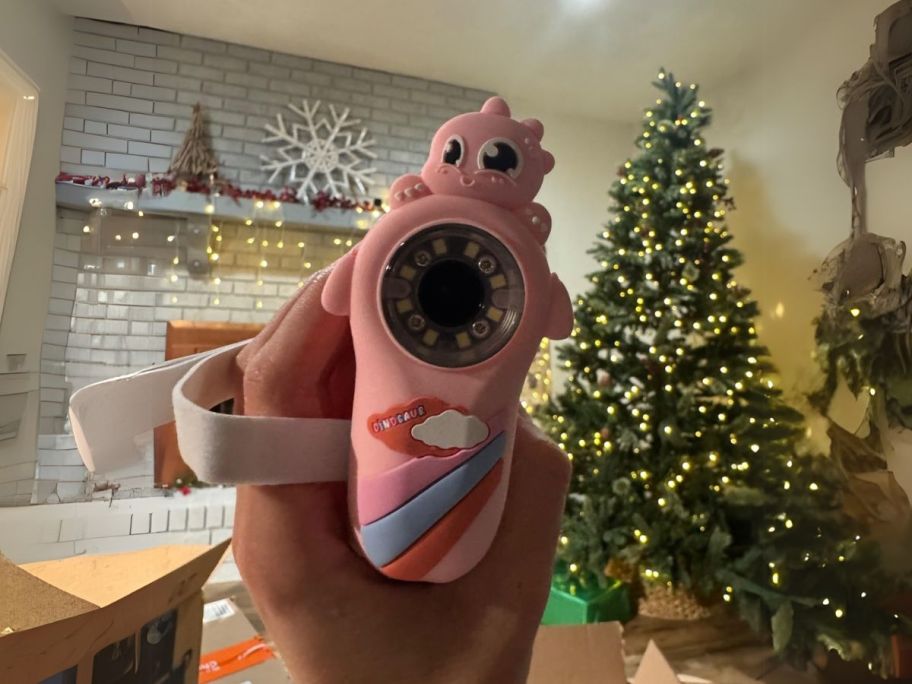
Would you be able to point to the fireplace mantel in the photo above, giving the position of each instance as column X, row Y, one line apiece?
column 190, row 204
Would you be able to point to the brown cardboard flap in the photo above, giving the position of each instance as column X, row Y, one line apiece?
column 134, row 587
column 108, row 578
column 578, row 654
column 654, row 669
column 28, row 601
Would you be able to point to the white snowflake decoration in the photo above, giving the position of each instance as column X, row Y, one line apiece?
column 321, row 154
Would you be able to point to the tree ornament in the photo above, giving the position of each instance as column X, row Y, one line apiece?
column 321, row 154
column 603, row 378
column 195, row 159
column 621, row 570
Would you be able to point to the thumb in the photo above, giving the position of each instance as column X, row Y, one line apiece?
column 539, row 479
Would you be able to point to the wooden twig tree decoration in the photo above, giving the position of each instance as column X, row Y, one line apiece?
column 195, row 159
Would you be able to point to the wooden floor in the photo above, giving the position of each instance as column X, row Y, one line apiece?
column 719, row 648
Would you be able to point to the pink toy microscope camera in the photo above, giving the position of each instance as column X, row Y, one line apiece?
column 449, row 297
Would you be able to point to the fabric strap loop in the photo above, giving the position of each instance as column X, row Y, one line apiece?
column 220, row 448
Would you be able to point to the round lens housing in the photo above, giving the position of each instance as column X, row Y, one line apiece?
column 452, row 295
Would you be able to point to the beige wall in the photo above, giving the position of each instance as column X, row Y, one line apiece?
column 37, row 38
column 778, row 124
column 587, row 153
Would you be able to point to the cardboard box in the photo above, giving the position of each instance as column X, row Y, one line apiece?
column 128, row 618
column 138, row 618
column 594, row 654
column 568, row 654
column 233, row 652
column 578, row 654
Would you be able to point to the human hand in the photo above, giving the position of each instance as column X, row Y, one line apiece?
column 335, row 618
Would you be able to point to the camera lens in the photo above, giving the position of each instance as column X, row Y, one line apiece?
column 452, row 295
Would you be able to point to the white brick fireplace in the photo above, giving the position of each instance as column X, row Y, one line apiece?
column 115, row 285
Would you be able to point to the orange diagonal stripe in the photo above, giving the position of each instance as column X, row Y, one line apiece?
column 424, row 554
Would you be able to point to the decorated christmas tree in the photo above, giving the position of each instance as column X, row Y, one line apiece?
column 689, row 473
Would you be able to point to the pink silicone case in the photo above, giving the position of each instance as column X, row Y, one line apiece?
column 432, row 445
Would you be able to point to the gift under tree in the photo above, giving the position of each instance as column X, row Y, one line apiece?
column 688, row 466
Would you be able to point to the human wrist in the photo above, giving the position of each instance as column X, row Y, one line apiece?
column 481, row 658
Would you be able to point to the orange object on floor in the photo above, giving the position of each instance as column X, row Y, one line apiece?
column 225, row 661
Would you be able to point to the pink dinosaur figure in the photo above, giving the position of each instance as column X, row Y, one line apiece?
column 488, row 156
column 448, row 298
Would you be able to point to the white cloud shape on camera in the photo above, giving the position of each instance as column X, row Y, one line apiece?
column 451, row 430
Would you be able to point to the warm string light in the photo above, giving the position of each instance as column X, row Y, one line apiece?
column 174, row 239
column 537, row 390
column 213, row 250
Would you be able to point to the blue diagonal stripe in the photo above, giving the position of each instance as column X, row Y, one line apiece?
column 387, row 538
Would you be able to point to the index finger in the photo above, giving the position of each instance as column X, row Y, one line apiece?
column 267, row 332
column 308, row 337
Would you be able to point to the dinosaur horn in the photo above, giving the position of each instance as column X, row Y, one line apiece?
column 495, row 105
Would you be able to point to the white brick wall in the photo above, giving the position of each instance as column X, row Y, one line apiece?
column 112, row 318
column 132, row 89
column 37, row 533
column 129, row 100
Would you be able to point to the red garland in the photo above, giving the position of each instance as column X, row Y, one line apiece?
column 137, row 182
column 164, row 185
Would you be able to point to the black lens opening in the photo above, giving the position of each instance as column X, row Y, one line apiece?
column 451, row 293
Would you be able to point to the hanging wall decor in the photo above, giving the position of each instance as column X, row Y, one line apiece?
column 864, row 333
column 319, row 153
column 195, row 159
column 865, row 271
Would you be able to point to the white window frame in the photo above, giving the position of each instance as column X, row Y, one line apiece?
column 16, row 145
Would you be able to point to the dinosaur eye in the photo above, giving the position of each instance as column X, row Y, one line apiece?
column 453, row 151
column 500, row 154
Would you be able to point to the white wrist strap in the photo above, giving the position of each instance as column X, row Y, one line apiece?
column 220, row 448
column 106, row 416
column 231, row 449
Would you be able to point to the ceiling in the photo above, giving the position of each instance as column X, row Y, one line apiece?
column 593, row 58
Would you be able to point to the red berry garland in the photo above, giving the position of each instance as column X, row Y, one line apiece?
column 164, row 185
